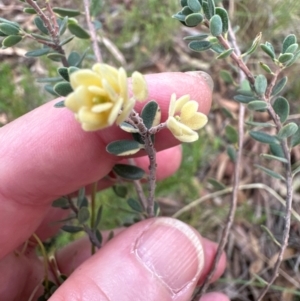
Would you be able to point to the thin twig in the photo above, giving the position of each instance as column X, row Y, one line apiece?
column 227, row 190
column 52, row 29
column 237, row 168
column 151, row 152
column 92, row 30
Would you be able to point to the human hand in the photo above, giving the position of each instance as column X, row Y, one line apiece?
column 44, row 155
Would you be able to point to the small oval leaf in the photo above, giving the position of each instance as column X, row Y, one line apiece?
column 296, row 138
column 268, row 50
column 281, row 108
column 123, row 147
column 151, row 114
column 279, row 86
column 63, row 12
column 60, row 104
column 194, row 5
column 129, row 172
column 263, row 137
column 55, row 56
column 285, row 58
column 64, row 73
column 216, row 25
column 270, row 172
column 260, row 84
column 225, row 54
column 83, row 215
column 135, row 205
column 287, row 130
column 120, row 190
column 11, row 41
column 40, row 25
column 78, row 31
column 244, row 98
column 271, row 157
column 9, row 29
column 208, row 8
column 61, row 203
column 193, row 19
column 63, row 88
column 231, row 134
column 224, row 16
column 288, row 41
column 198, row 37
column 199, row 45
column 71, row 229
column 257, row 105
column 37, row 52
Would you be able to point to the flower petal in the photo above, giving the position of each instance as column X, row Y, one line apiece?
column 115, row 111
column 85, row 77
column 181, row 101
column 181, row 131
column 97, row 90
column 188, row 110
column 88, row 117
column 139, row 86
column 126, row 110
column 172, row 105
column 71, row 103
column 99, row 108
column 122, row 80
column 196, row 122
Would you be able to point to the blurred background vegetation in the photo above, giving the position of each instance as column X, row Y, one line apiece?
column 141, row 35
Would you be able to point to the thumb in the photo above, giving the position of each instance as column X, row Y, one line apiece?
column 157, row 259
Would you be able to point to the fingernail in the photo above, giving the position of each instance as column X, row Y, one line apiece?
column 171, row 251
column 204, row 76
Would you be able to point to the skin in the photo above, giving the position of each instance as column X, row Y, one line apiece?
column 45, row 154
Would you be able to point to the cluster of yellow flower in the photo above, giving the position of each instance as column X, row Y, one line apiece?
column 101, row 98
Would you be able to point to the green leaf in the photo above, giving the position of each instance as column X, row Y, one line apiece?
column 193, row 19
column 226, row 76
column 120, row 190
column 296, row 138
column 231, row 134
column 63, row 88
column 11, row 41
column 138, row 137
column 266, row 68
column 61, row 203
column 257, row 105
column 198, row 37
column 66, row 41
column 37, row 52
column 281, row 108
column 179, row 16
column 2, row 20
column 75, row 59
column 288, row 41
column 60, row 104
column 96, row 7
column 123, row 147
column 287, row 130
column 66, row 12
column 64, row 73
column 225, row 54
column 71, row 229
column 40, row 25
column 216, row 184
column 218, row 48
column 271, row 157
column 260, row 124
column 98, row 217
column 268, row 50
column 227, row 113
column 294, row 59
column 48, row 79
column 186, row 11
column 263, row 137
column 276, row 150
column 224, row 16
column 260, row 84
column 55, row 56
column 99, row 236
column 244, row 98
column 78, row 31
column 49, row 89
column 156, row 208
column 80, row 197
column 129, row 128
column 270, row 172
column 194, row 5
column 63, row 25
column 285, row 58
column 253, row 46
column 135, row 205
column 2, row 34
column 292, row 48
column 296, row 170
column 72, row 69
column 279, row 86
column 41, row 37
column 199, row 45
column 83, row 215
column 129, row 172
column 208, row 8
column 216, row 25
column 183, row 3
column 9, row 29
column 150, row 114
column 231, row 152
column 29, row 10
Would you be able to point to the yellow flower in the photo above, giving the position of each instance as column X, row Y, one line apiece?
column 100, row 97
column 184, row 124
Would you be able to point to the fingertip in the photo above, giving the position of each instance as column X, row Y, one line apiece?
column 214, row 296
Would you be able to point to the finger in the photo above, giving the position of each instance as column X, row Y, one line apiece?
column 157, row 259
column 45, row 154
column 214, row 297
